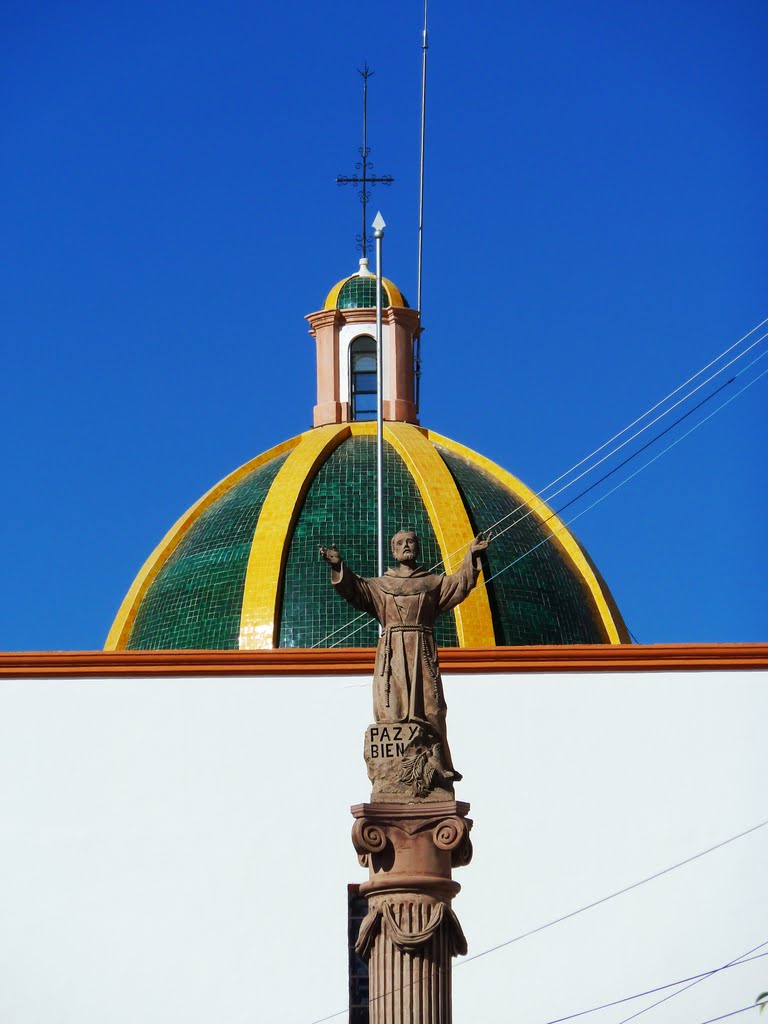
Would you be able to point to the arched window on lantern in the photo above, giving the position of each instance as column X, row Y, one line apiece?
column 362, row 374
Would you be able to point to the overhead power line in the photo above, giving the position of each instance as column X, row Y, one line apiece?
column 581, row 910
column 543, row 496
column 639, row 451
column 613, row 895
column 589, row 508
column 660, row 988
column 661, row 401
column 672, row 995
column 634, row 455
column 632, row 475
column 731, row 1014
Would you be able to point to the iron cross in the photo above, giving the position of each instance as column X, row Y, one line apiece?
column 365, row 178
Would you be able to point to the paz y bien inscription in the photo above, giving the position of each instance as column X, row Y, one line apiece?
column 386, row 741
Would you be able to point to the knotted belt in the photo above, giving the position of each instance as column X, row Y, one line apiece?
column 386, row 648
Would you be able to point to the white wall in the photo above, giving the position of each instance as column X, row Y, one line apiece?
column 178, row 850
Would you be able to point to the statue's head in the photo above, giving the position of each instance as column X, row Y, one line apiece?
column 405, row 546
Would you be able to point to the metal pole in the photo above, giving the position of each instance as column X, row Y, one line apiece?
column 417, row 340
column 424, row 48
column 378, row 234
column 364, row 152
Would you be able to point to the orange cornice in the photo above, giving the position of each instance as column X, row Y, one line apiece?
column 390, row 315
column 403, row 314
column 359, row 660
column 322, row 318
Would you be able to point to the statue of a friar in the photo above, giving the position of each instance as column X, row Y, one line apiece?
column 406, row 600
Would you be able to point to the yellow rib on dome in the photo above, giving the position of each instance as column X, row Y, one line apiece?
column 261, row 596
column 120, row 632
column 333, row 295
column 453, row 530
column 611, row 621
column 394, row 293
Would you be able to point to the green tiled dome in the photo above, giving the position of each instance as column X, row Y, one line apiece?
column 360, row 293
column 192, row 592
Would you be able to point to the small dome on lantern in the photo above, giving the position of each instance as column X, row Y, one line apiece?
column 358, row 291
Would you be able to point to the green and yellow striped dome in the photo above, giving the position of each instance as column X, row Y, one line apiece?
column 241, row 568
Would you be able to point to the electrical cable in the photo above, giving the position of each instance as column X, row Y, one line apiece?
column 691, row 984
column 627, row 999
column 607, row 494
column 587, row 906
column 642, row 430
column 631, row 476
column 661, row 401
column 572, row 501
column 733, row 1013
column 448, row 558
column 629, row 458
column 660, row 988
column 648, row 444
column 543, row 493
column 611, row 896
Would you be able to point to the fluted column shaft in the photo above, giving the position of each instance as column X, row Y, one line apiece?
column 410, row 986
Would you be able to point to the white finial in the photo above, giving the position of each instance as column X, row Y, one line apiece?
column 364, row 271
column 378, row 224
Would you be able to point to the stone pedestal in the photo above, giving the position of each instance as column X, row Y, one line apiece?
column 411, row 933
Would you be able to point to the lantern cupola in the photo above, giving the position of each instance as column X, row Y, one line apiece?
column 345, row 336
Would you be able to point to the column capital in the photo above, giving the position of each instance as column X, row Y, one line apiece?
column 410, row 848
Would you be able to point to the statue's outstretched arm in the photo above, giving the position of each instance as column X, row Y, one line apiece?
column 456, row 587
column 353, row 588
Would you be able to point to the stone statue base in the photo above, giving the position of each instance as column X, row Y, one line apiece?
column 405, row 762
column 411, row 933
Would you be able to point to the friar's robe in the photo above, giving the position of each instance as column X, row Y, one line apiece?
column 406, row 682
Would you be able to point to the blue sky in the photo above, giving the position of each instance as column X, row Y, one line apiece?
column 595, row 226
